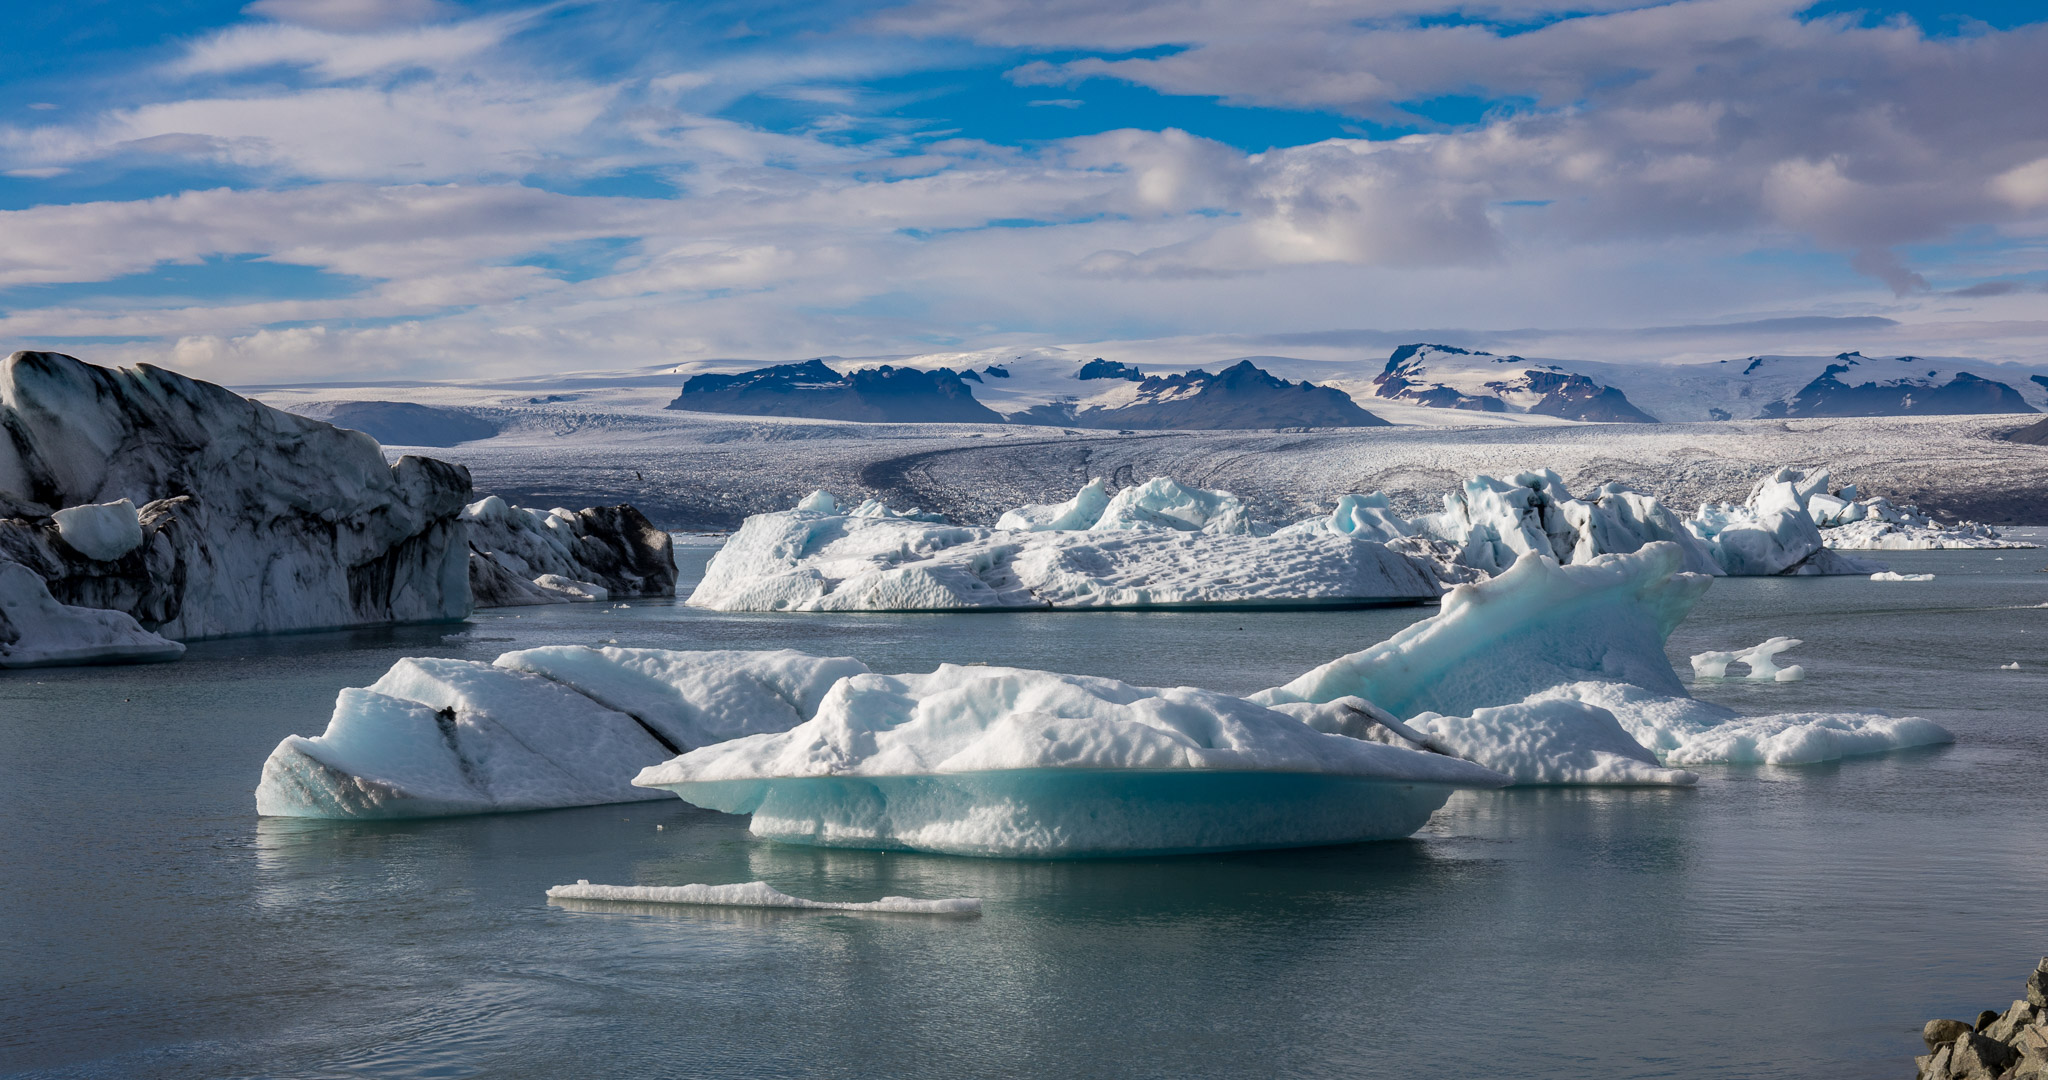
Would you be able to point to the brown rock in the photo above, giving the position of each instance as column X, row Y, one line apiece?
column 1939, row 1033
column 2037, row 986
column 2006, row 1027
column 1984, row 1020
column 1935, row 1066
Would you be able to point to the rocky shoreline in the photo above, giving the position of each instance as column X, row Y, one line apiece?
column 2008, row 1046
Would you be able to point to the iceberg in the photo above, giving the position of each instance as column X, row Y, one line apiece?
column 37, row 631
column 757, row 894
column 1164, row 547
column 442, row 737
column 1482, row 679
column 1848, row 521
column 520, row 556
column 1893, row 575
column 564, row 725
column 1011, row 762
column 1761, row 661
column 199, row 513
column 1773, row 532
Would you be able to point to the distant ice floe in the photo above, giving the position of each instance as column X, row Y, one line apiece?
column 757, row 894
column 1761, row 661
column 1893, row 575
column 1849, row 521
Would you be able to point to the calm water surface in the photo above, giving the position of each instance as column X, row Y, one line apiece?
column 1773, row 922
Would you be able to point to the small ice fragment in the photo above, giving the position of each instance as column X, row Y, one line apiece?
column 755, row 894
column 1893, row 575
column 1761, row 662
column 658, row 828
column 2014, row 666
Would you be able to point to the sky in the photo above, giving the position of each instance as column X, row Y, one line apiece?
column 315, row 190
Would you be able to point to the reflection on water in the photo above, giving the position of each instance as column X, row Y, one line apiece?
column 1774, row 922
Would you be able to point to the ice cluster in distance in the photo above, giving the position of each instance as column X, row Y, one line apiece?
column 757, row 894
column 1157, row 544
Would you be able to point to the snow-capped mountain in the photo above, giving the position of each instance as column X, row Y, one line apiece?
column 1241, row 396
column 1847, row 384
column 884, row 394
column 1445, row 377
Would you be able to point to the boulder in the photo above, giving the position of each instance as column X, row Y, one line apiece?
column 1976, row 1057
column 1939, row 1033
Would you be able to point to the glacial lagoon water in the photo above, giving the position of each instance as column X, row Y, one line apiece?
column 1773, row 922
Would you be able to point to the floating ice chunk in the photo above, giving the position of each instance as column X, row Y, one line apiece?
column 1163, row 503
column 2014, row 666
column 37, row 631
column 103, row 531
column 1004, row 761
column 1552, row 741
column 1889, row 575
column 570, row 587
column 1366, row 517
column 1080, row 512
column 756, row 894
column 1531, row 628
column 794, row 561
column 436, row 737
column 694, row 698
column 1686, row 731
column 1773, row 532
column 1761, row 661
column 819, row 502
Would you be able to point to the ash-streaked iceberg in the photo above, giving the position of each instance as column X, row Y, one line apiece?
column 200, row 513
column 520, row 556
column 1155, row 545
column 1010, row 762
column 37, row 631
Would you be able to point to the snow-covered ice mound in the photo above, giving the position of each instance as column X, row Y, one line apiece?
column 757, row 894
column 817, row 558
column 548, row 727
column 1773, row 532
column 1483, row 678
column 250, row 520
column 37, row 631
column 1011, row 762
column 520, row 556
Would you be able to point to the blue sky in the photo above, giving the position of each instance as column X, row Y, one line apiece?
column 295, row 189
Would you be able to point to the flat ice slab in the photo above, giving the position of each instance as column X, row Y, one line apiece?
column 758, row 894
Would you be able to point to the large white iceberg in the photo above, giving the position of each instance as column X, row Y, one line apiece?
column 37, row 631
column 1124, row 556
column 1004, row 761
column 1847, row 520
column 250, row 519
column 563, row 725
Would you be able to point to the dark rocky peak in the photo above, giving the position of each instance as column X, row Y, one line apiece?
column 1099, row 368
column 996, row 370
column 1408, row 352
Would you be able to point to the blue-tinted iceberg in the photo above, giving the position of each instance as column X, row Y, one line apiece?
column 1010, row 762
column 1516, row 672
column 38, row 631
